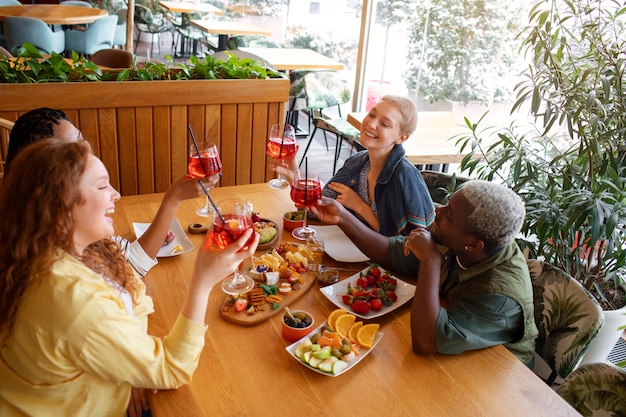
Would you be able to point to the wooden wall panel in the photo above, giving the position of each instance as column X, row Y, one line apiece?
column 260, row 134
column 244, row 143
column 139, row 129
column 163, row 173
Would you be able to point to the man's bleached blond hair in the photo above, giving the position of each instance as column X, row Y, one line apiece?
column 498, row 212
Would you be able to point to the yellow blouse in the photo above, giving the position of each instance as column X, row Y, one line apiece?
column 76, row 351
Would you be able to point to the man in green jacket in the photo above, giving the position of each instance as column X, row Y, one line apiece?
column 473, row 287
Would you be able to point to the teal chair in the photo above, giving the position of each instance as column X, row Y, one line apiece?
column 20, row 30
column 99, row 35
column 596, row 389
column 567, row 317
column 3, row 40
column 120, row 30
column 78, row 3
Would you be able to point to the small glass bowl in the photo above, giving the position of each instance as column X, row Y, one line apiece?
column 327, row 276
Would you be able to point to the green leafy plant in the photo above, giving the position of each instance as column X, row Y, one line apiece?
column 32, row 67
column 453, row 46
column 570, row 165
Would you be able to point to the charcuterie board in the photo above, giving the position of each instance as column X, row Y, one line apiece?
column 228, row 312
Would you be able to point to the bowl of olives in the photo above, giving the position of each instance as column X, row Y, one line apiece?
column 297, row 324
column 293, row 219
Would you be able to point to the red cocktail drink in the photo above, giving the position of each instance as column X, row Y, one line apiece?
column 278, row 150
column 305, row 192
column 211, row 162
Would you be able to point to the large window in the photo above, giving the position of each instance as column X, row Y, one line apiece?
column 458, row 55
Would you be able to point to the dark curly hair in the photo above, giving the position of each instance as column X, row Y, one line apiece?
column 32, row 127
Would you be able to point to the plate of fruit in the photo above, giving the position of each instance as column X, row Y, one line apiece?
column 268, row 230
column 337, row 345
column 370, row 293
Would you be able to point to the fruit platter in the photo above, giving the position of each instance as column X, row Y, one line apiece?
column 370, row 293
column 281, row 275
column 268, row 231
column 337, row 345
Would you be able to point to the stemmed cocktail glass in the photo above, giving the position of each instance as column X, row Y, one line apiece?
column 204, row 161
column 281, row 145
column 233, row 220
column 305, row 192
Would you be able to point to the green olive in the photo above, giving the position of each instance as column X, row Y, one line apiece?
column 336, row 353
column 298, row 217
column 289, row 215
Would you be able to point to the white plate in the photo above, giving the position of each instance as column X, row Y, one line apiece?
column 404, row 291
column 362, row 352
column 180, row 238
column 338, row 246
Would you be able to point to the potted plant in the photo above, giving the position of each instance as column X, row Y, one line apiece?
column 136, row 119
column 570, row 166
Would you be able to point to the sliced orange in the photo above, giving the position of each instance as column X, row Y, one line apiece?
column 324, row 341
column 335, row 338
column 333, row 316
column 353, row 329
column 366, row 335
column 343, row 324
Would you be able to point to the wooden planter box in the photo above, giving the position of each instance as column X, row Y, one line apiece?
column 139, row 128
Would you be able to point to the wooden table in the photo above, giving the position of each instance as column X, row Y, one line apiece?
column 430, row 143
column 224, row 29
column 295, row 58
column 54, row 14
column 187, row 7
column 245, row 371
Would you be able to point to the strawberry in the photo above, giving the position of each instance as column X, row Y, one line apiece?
column 255, row 217
column 391, row 295
column 362, row 282
column 240, row 304
column 375, row 271
column 376, row 304
column 371, row 280
column 361, row 306
column 347, row 299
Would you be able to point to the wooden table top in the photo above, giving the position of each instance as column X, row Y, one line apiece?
column 430, row 143
column 245, row 371
column 190, row 7
column 54, row 14
column 295, row 58
column 222, row 27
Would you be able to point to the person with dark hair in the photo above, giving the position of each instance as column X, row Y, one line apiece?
column 45, row 123
column 473, row 286
column 38, row 124
column 73, row 314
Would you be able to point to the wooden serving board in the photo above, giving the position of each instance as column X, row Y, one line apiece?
column 228, row 312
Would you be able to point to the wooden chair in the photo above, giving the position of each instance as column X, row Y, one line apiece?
column 113, row 58
column 5, row 131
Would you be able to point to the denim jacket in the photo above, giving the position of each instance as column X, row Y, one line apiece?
column 402, row 198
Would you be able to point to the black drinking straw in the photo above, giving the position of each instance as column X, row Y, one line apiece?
column 306, row 176
column 195, row 144
column 282, row 138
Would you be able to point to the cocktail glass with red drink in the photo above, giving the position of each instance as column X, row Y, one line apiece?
column 281, row 145
column 304, row 193
column 233, row 219
column 204, row 161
